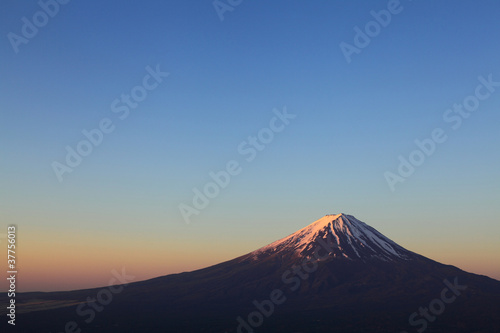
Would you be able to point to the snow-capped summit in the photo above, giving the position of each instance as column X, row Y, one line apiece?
column 345, row 236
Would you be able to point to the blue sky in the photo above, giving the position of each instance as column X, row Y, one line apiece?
column 352, row 122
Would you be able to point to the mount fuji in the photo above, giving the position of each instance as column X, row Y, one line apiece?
column 353, row 239
column 337, row 274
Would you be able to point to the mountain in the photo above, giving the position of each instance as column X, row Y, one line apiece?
column 338, row 274
column 354, row 240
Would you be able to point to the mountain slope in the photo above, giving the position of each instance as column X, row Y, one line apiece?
column 336, row 275
column 353, row 239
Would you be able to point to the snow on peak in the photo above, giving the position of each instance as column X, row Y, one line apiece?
column 348, row 237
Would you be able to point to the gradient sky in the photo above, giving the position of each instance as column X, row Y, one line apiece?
column 120, row 206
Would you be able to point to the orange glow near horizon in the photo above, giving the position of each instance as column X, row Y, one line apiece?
column 74, row 262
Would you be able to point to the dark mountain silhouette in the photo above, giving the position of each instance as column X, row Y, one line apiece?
column 336, row 275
